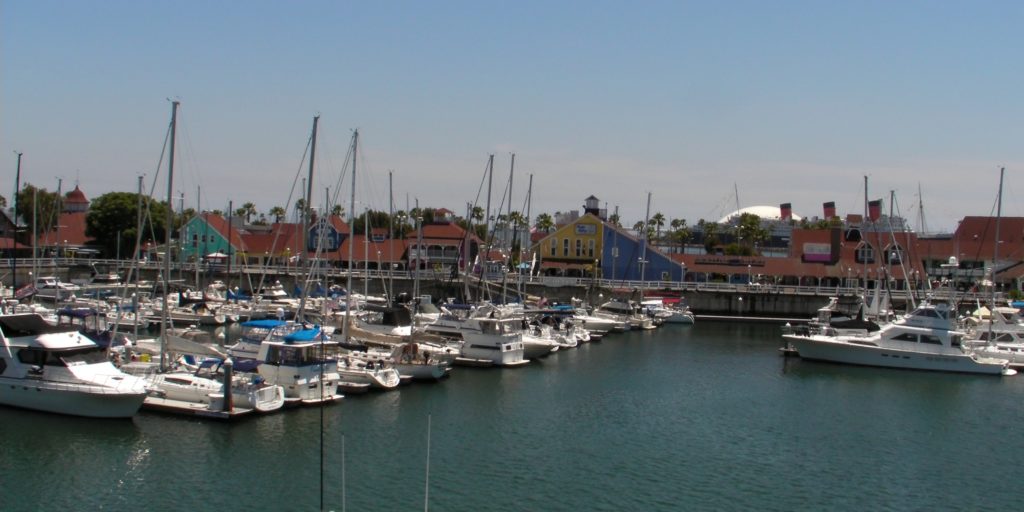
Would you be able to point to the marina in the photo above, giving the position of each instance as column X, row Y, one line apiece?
column 706, row 416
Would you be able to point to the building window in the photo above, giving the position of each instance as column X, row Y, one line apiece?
column 565, row 247
column 554, row 247
column 865, row 254
column 579, row 248
column 590, row 248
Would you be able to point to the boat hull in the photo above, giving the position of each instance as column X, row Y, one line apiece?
column 86, row 401
column 821, row 348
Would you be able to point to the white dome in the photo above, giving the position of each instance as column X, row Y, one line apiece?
column 765, row 212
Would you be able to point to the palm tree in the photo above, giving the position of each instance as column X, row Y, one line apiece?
column 638, row 227
column 338, row 210
column 248, row 210
column 659, row 221
column 710, row 230
column 545, row 222
column 615, row 220
column 278, row 213
column 477, row 214
column 680, row 233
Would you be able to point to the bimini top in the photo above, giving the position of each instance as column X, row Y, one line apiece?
column 304, row 335
column 266, row 323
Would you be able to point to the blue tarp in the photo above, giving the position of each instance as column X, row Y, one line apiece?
column 265, row 323
column 304, row 335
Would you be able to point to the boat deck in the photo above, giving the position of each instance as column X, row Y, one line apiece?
column 192, row 409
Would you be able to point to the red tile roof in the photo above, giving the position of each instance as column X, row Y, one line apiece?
column 391, row 251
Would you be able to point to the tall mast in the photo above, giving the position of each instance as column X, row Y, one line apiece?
column 169, row 220
column 864, row 237
column 391, row 236
column 366, row 251
column 199, row 207
column 490, row 176
column 351, row 235
column 995, row 253
column 508, row 215
column 307, row 210
column 14, row 246
column 528, row 242
column 643, row 248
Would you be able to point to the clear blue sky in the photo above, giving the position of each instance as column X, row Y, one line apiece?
column 788, row 101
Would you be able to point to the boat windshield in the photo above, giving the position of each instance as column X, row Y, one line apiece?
column 72, row 357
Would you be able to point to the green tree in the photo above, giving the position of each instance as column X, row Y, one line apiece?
column 278, row 213
column 658, row 220
column 749, row 231
column 680, row 233
column 545, row 222
column 710, row 231
column 3, row 202
column 338, row 210
column 248, row 210
column 615, row 220
column 37, row 203
column 112, row 221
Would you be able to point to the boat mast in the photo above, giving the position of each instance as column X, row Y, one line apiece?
column 391, row 236
column 643, row 249
column 488, row 237
column 307, row 209
column 14, row 245
column 351, row 234
column 864, row 239
column 995, row 254
column 165, row 313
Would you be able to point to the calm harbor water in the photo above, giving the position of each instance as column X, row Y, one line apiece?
column 707, row 417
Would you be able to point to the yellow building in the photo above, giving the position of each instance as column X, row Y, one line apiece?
column 573, row 249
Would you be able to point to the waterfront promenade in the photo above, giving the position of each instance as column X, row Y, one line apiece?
column 712, row 298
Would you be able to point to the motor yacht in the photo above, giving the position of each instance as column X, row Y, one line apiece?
column 924, row 339
column 57, row 369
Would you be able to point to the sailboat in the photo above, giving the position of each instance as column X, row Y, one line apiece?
column 183, row 391
column 304, row 361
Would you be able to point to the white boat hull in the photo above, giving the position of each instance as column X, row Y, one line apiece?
column 827, row 349
column 72, row 399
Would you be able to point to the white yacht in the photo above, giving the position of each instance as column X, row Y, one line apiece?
column 668, row 311
column 379, row 375
column 304, row 363
column 922, row 340
column 52, row 288
column 204, row 388
column 1001, row 335
column 57, row 369
column 625, row 312
column 254, row 332
column 487, row 335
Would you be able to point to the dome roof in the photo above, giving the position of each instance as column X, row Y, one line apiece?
column 76, row 196
column 765, row 212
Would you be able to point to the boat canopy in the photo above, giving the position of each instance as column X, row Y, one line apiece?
column 77, row 312
column 266, row 323
column 304, row 335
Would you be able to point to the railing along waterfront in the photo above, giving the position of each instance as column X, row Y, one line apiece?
column 187, row 269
